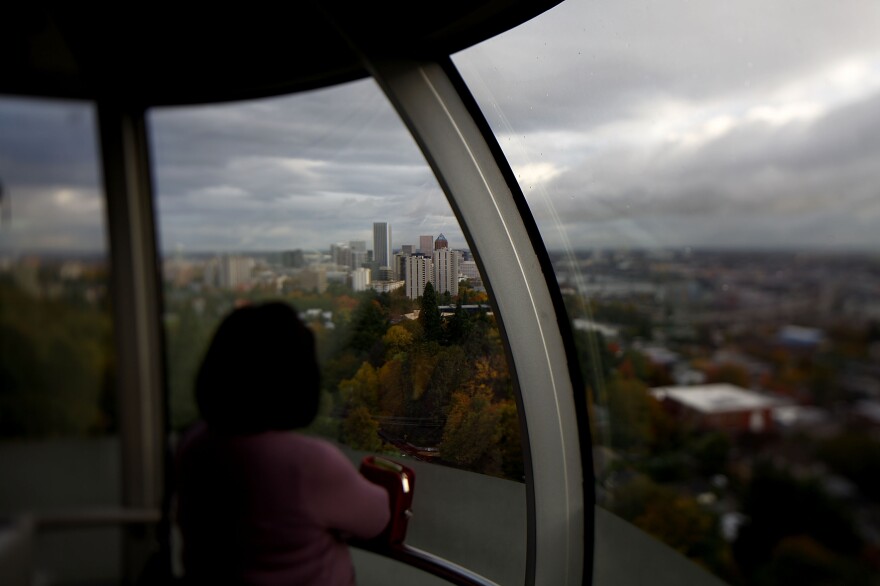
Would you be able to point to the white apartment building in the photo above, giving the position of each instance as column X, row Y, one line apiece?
column 445, row 271
column 419, row 272
column 360, row 279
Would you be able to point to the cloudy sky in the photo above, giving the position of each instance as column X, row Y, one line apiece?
column 676, row 123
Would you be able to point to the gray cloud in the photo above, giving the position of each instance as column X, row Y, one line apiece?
column 582, row 100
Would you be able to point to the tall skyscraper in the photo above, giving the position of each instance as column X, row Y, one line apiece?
column 446, row 268
column 441, row 242
column 426, row 244
column 382, row 244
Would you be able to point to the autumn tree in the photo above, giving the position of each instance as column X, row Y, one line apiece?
column 361, row 431
column 728, row 372
column 629, row 412
column 510, row 441
column 397, row 339
column 471, row 434
column 393, row 388
column 362, row 390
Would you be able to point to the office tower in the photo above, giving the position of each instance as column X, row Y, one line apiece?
column 441, row 242
column 293, row 259
column 407, row 249
column 340, row 254
column 426, row 244
column 399, row 265
column 382, row 244
column 419, row 270
column 445, row 270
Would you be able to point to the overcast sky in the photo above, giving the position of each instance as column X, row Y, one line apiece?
column 712, row 123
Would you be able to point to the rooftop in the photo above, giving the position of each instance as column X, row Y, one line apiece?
column 716, row 398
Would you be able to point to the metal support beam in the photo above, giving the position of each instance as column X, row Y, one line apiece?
column 430, row 104
column 136, row 318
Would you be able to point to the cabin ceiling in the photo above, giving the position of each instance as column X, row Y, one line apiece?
column 153, row 55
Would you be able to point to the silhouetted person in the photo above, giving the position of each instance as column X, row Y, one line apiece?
column 259, row 503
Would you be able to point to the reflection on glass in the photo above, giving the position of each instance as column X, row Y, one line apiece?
column 332, row 208
column 707, row 188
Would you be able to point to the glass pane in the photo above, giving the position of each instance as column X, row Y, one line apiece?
column 323, row 200
column 705, row 177
column 58, row 445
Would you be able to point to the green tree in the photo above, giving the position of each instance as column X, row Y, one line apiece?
column 429, row 316
column 458, row 328
column 370, row 324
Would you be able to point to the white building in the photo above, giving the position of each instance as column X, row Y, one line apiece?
column 360, row 279
column 419, row 272
column 721, row 406
column 446, row 268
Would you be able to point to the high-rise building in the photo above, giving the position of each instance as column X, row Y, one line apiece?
column 441, row 242
column 382, row 244
column 234, row 270
column 399, row 265
column 407, row 249
column 445, row 270
column 419, row 271
column 293, row 259
column 426, row 244
column 360, row 279
column 340, row 254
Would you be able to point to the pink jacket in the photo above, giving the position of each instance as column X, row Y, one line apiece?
column 272, row 508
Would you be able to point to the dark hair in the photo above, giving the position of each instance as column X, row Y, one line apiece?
column 260, row 372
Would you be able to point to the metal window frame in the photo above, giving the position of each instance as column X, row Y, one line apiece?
column 441, row 115
column 136, row 301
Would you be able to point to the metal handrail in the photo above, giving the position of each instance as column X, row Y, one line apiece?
column 427, row 562
column 94, row 517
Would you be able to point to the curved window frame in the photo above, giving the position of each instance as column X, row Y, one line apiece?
column 436, row 106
